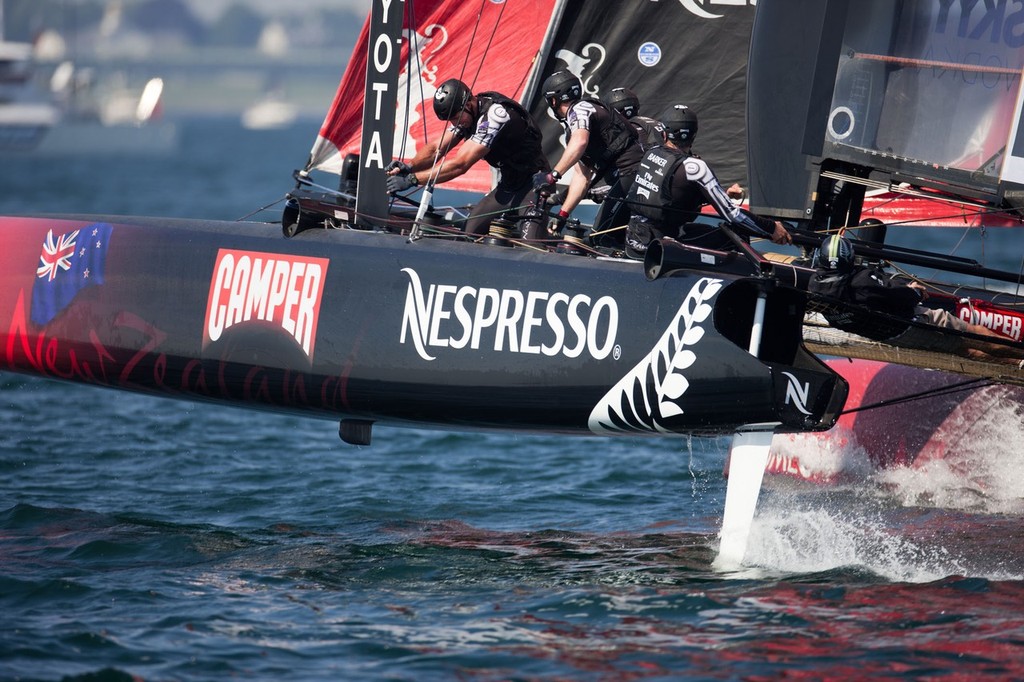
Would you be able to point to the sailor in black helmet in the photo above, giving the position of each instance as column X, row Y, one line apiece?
column 671, row 186
column 626, row 102
column 494, row 128
column 863, row 299
column 651, row 130
column 600, row 144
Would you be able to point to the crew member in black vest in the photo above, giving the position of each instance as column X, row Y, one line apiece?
column 494, row 128
column 671, row 186
column 865, row 300
column 600, row 145
column 651, row 132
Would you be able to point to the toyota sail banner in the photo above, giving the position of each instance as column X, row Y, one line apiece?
column 488, row 45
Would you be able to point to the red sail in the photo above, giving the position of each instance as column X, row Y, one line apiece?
column 490, row 45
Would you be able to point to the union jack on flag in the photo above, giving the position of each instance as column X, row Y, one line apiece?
column 57, row 255
column 67, row 265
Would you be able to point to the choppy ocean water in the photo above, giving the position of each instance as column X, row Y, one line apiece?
column 148, row 539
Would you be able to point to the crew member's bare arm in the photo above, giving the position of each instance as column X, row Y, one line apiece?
column 469, row 154
column 424, row 158
column 578, row 186
column 574, row 150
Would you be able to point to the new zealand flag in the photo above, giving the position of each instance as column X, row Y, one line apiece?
column 68, row 263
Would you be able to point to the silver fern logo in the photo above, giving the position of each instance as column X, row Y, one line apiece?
column 651, row 393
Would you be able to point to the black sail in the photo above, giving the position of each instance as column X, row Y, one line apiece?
column 667, row 53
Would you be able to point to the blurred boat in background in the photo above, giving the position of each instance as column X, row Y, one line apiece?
column 109, row 117
column 79, row 113
column 25, row 113
column 270, row 113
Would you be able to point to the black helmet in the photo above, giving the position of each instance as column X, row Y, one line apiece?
column 561, row 86
column 872, row 230
column 624, row 101
column 835, row 253
column 680, row 124
column 451, row 98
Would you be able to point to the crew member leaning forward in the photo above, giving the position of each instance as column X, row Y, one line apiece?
column 491, row 127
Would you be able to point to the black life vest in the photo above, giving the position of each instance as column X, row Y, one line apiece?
column 863, row 302
column 515, row 155
column 651, row 193
column 615, row 135
column 650, row 132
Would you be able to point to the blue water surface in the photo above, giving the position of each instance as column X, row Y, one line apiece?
column 149, row 539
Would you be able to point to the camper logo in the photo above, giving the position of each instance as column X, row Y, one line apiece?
column 1007, row 323
column 249, row 288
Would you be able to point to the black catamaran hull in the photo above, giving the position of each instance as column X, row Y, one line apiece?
column 366, row 326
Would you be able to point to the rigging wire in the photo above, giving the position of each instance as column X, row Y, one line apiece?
column 490, row 41
column 983, row 230
column 414, row 55
column 472, row 39
column 923, row 222
column 261, row 209
column 953, row 389
column 999, row 341
column 438, row 163
column 526, row 74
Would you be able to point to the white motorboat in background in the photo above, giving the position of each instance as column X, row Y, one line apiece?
column 25, row 113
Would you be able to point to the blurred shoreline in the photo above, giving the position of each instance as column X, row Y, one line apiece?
column 225, row 81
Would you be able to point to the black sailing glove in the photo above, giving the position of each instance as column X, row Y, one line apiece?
column 401, row 166
column 545, row 182
column 398, row 183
